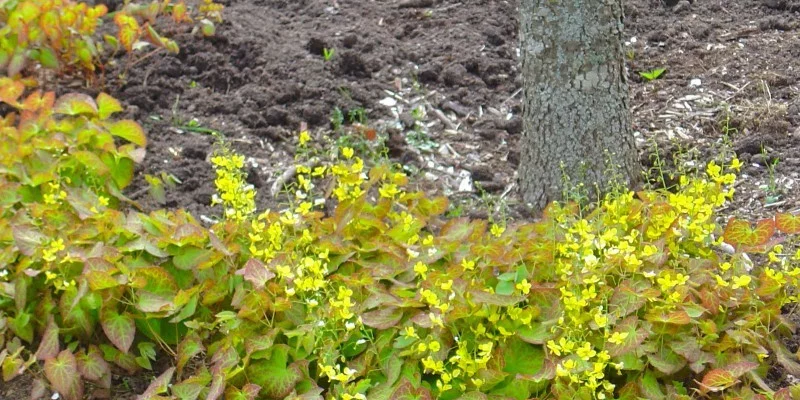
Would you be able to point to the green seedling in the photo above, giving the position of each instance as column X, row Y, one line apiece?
column 653, row 74
column 327, row 54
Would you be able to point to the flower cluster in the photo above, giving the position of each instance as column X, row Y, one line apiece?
column 235, row 195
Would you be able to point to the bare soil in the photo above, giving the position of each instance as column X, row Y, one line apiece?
column 732, row 69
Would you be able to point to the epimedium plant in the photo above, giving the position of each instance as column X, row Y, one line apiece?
column 359, row 289
column 61, row 35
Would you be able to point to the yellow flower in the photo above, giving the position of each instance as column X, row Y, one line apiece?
column 410, row 332
column 524, row 286
column 586, row 351
column 434, row 346
column 421, row 269
column 497, row 230
column 618, row 337
column 304, row 138
column 447, row 285
column 600, row 319
column 467, row 264
column 347, row 152
column 736, row 165
column 388, row 190
column 741, row 281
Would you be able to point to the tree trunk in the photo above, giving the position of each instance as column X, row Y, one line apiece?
column 575, row 113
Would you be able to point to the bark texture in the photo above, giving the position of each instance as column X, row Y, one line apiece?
column 575, row 111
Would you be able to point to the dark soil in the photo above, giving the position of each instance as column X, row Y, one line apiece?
column 264, row 74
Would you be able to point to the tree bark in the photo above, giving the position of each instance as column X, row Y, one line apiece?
column 575, row 113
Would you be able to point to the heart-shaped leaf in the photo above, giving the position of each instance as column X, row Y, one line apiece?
column 189, row 347
column 107, row 105
column 119, row 328
column 10, row 91
column 92, row 366
column 48, row 347
column 717, row 380
column 787, row 223
column 62, row 372
column 276, row 378
column 158, row 386
column 75, row 104
column 256, row 272
column 383, row 318
column 739, row 233
column 128, row 130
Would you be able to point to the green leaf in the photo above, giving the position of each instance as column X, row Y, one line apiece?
column 191, row 256
column 128, row 130
column 505, row 288
column 46, row 56
column 652, row 74
column 62, row 372
column 521, row 357
column 480, row 296
column 666, row 361
column 650, row 387
column 123, row 360
column 189, row 389
column 75, row 104
column 537, row 333
column 21, row 326
column 121, row 168
column 107, row 105
column 276, row 378
column 119, row 328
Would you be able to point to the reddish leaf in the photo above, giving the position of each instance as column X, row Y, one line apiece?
column 119, row 328
column 158, row 386
column 189, row 347
column 787, row 223
column 49, row 348
column 224, row 359
column 256, row 272
column 75, row 104
column 740, row 233
column 383, row 318
column 717, row 380
column 740, row 368
column 38, row 389
column 62, row 372
column 92, row 366
column 217, row 386
column 676, row 318
column 38, row 101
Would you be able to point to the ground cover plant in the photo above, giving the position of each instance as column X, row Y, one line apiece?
column 357, row 287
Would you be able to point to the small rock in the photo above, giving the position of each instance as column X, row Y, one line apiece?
column 456, row 108
column 388, row 102
column 682, row 6
column 696, row 82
